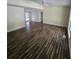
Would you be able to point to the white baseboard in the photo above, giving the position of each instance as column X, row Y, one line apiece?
column 15, row 29
column 55, row 24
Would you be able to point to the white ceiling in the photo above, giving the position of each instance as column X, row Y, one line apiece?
column 54, row 2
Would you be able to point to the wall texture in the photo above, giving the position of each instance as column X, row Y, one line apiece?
column 15, row 18
column 56, row 15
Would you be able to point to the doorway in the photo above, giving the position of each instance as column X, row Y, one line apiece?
column 28, row 16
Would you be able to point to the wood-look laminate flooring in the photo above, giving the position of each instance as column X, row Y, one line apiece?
column 38, row 41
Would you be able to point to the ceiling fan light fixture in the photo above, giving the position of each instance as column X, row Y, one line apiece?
column 44, row 3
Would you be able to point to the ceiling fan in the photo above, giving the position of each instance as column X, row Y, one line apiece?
column 43, row 2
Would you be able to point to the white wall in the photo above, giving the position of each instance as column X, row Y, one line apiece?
column 36, row 15
column 15, row 18
column 25, row 3
column 56, row 15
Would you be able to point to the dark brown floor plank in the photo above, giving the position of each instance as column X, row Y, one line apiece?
column 38, row 41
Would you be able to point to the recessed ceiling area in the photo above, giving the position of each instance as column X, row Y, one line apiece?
column 54, row 2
